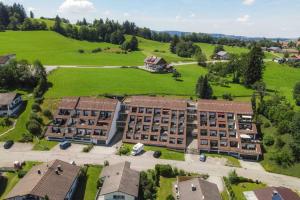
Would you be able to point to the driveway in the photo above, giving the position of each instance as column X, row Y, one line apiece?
column 251, row 165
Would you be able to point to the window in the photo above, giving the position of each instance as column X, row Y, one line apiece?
column 118, row 197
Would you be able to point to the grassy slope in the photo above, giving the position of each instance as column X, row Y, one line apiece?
column 43, row 144
column 242, row 187
column 91, row 185
column 165, row 188
column 54, row 49
column 84, row 82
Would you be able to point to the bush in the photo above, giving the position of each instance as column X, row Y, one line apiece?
column 34, row 116
column 164, row 170
column 47, row 113
column 35, row 107
column 26, row 137
column 39, row 100
column 88, row 148
column 106, row 163
column 170, row 197
column 80, row 51
column 34, row 127
column 267, row 125
column 124, row 150
column 21, row 173
column 227, row 96
column 268, row 140
column 96, row 50
column 233, row 177
column 6, row 122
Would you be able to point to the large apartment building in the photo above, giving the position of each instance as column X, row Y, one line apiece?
column 88, row 120
column 218, row 126
column 156, row 121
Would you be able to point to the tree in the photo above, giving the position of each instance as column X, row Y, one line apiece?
column 296, row 93
column 201, row 58
column 286, row 54
column 174, row 43
column 170, row 197
column 31, row 14
column 203, row 88
column 253, row 102
column 186, row 49
column 57, row 27
column 233, row 177
column 254, row 66
column 134, row 44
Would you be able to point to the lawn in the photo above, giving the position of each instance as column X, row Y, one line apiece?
column 12, row 179
column 167, row 154
column 87, row 189
column 242, row 187
column 165, row 188
column 43, row 144
column 16, row 134
column 231, row 161
column 4, row 128
column 132, row 82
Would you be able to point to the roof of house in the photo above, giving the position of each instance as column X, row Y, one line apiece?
column 284, row 193
column 158, row 102
column 48, row 181
column 120, row 178
column 88, row 103
column 154, row 60
column 203, row 190
column 7, row 98
column 274, row 48
column 222, row 53
column 225, row 106
column 4, row 59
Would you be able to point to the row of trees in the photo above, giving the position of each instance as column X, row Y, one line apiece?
column 186, row 49
column 11, row 17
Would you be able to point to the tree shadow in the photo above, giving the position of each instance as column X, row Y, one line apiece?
column 3, row 184
column 81, row 187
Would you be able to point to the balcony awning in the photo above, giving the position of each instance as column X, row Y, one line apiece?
column 244, row 136
column 247, row 116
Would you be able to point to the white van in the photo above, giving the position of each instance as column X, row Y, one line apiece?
column 137, row 149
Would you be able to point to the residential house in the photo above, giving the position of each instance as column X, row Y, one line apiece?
column 157, row 64
column 222, row 55
column 189, row 188
column 227, row 127
column 56, row 180
column 119, row 182
column 274, row 49
column 4, row 60
column 156, row 121
column 272, row 193
column 86, row 120
column 294, row 58
column 10, row 104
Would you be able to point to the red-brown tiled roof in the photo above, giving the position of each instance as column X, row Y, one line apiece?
column 158, row 102
column 225, row 106
column 68, row 103
column 90, row 103
column 267, row 193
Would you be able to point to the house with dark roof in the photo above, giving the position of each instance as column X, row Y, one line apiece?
column 157, row 64
column 57, row 180
column 85, row 120
column 4, row 60
column 10, row 104
column 274, row 49
column 222, row 55
column 271, row 193
column 119, row 181
column 189, row 188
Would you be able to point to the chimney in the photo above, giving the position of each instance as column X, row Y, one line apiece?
column 57, row 172
column 59, row 168
column 39, row 171
column 193, row 187
column 275, row 193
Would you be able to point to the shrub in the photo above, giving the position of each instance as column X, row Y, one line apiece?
column 47, row 113
column 34, row 116
column 227, row 96
column 233, row 177
column 26, row 137
column 124, row 150
column 267, row 124
column 80, row 50
column 6, row 122
column 268, row 140
column 34, row 127
column 170, row 197
column 39, row 100
column 165, row 170
column 88, row 148
column 35, row 107
column 21, row 173
column 96, row 50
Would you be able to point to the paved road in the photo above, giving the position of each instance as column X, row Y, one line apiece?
column 143, row 162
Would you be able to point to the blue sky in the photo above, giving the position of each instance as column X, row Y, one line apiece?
column 268, row 18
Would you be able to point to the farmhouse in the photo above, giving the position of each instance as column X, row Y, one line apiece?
column 222, row 55
column 157, row 64
column 188, row 188
column 87, row 120
column 119, row 181
column 4, row 60
column 271, row 193
column 10, row 104
column 56, row 180
column 216, row 126
column 274, row 49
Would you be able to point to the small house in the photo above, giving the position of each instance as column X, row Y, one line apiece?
column 222, row 55
column 4, row 60
column 271, row 193
column 10, row 104
column 274, row 49
column 157, row 64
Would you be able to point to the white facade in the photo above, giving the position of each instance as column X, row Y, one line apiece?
column 116, row 196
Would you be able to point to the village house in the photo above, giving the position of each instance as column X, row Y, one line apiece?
column 4, row 60
column 294, row 58
column 86, row 120
column 55, row 180
column 157, row 64
column 10, row 104
column 190, row 188
column 271, row 193
column 274, row 49
column 119, row 181
column 222, row 55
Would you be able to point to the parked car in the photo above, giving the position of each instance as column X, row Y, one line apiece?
column 157, row 154
column 137, row 149
column 202, row 157
column 64, row 145
column 8, row 144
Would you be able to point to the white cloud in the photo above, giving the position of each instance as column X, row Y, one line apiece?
column 107, row 13
column 248, row 2
column 243, row 19
column 126, row 14
column 178, row 18
column 192, row 15
column 76, row 7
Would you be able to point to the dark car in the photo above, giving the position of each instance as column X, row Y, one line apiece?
column 8, row 144
column 202, row 157
column 157, row 154
column 64, row 145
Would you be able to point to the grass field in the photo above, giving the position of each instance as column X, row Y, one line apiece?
column 231, row 161
column 86, row 82
column 43, row 144
column 165, row 188
column 13, row 179
column 242, row 187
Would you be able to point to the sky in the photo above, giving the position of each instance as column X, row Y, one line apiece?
column 255, row 18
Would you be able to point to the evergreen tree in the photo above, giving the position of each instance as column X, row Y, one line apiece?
column 174, row 43
column 134, row 43
column 57, row 27
column 253, row 102
column 31, row 14
column 203, row 88
column 254, row 66
column 201, row 58
column 4, row 16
